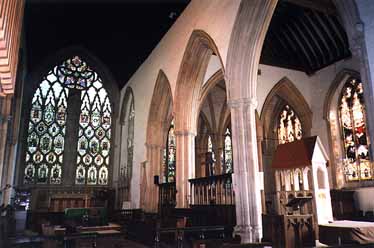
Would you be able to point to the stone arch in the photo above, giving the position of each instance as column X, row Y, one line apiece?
column 159, row 118
column 193, row 67
column 194, row 64
column 284, row 92
column 125, row 159
column 128, row 99
column 246, row 41
column 35, row 78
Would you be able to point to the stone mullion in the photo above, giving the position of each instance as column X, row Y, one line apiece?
column 185, row 169
column 71, row 137
column 246, row 172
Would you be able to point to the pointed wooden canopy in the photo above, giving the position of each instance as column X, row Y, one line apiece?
column 295, row 154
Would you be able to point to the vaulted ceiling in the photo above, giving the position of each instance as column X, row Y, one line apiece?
column 305, row 35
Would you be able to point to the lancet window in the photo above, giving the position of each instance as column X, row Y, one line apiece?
column 352, row 117
column 170, row 155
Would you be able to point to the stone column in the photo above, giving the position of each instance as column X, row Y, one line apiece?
column 71, row 137
column 153, row 168
column 185, row 166
column 5, row 110
column 246, row 171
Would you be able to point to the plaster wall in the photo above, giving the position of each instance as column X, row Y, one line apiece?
column 215, row 17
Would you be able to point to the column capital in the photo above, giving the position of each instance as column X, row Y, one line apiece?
column 236, row 103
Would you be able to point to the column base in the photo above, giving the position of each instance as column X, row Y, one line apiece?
column 248, row 234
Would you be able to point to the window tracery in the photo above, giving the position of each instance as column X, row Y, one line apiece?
column 47, row 126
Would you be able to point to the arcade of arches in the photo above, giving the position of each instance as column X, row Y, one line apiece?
column 200, row 123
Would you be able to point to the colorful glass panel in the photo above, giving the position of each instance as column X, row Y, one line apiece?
column 170, row 154
column 94, row 131
column 289, row 127
column 228, row 152
column 45, row 144
column 46, row 129
column 353, row 122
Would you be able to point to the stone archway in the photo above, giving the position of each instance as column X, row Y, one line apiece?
column 283, row 93
column 194, row 64
column 159, row 118
column 125, row 155
column 243, row 56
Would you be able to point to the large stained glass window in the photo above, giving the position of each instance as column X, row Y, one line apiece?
column 353, row 122
column 289, row 127
column 94, row 134
column 46, row 132
column 227, row 154
column 170, row 155
column 47, row 126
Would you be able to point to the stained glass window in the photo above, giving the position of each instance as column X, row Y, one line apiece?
column 228, row 152
column 170, row 155
column 94, row 133
column 46, row 132
column 130, row 141
column 352, row 118
column 47, row 125
column 289, row 127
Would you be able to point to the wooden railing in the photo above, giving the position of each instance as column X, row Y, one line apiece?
column 212, row 190
column 167, row 195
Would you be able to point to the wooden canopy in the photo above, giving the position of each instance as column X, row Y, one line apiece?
column 295, row 154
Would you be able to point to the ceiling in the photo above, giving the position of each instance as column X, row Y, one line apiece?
column 121, row 33
column 304, row 35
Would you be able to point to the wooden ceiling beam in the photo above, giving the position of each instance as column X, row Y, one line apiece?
column 324, row 6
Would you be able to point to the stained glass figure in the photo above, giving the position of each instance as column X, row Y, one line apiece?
column 353, row 123
column 289, row 126
column 170, row 155
column 227, row 155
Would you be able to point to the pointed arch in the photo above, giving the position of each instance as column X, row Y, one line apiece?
column 284, row 92
column 194, row 64
column 160, row 112
column 159, row 119
column 126, row 101
column 92, row 94
column 126, row 147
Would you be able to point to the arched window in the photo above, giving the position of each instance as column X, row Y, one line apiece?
column 130, row 142
column 227, row 155
column 352, row 118
column 170, row 155
column 289, row 126
column 49, row 123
